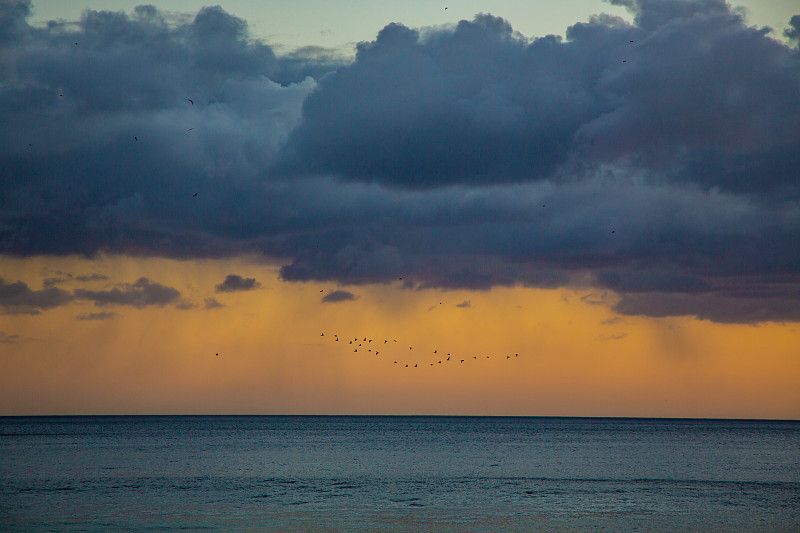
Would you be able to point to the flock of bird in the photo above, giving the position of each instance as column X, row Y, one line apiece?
column 391, row 348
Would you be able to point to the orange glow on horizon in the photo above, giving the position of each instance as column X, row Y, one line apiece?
column 576, row 356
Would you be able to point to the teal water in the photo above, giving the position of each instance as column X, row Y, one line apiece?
column 397, row 474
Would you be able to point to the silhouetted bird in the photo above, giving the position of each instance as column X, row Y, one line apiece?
column 462, row 360
column 612, row 231
column 195, row 194
column 136, row 139
column 217, row 355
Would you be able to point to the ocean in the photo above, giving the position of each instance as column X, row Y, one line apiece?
column 396, row 473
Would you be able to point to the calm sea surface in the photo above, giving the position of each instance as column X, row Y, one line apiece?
column 397, row 474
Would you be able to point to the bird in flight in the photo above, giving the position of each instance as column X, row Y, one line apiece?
column 195, row 194
column 136, row 139
column 190, row 100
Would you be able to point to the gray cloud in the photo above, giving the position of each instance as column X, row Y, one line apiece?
column 103, row 315
column 62, row 277
column 338, row 296
column 235, row 283
column 664, row 169
column 141, row 293
column 18, row 298
column 464, row 305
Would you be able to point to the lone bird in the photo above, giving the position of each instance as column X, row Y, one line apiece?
column 190, row 100
column 136, row 139
column 195, row 194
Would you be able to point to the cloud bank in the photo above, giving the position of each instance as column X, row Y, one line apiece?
column 658, row 159
column 18, row 298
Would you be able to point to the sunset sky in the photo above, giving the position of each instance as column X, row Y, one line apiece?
column 596, row 207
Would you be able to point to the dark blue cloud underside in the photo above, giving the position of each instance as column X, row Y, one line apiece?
column 665, row 168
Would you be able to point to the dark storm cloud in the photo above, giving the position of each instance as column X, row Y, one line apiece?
column 338, row 296
column 657, row 159
column 141, row 293
column 18, row 298
column 235, row 283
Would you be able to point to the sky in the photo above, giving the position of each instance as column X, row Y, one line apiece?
column 499, row 208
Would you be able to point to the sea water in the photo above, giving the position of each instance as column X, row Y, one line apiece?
column 369, row 473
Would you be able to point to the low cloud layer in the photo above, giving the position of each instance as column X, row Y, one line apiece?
column 103, row 315
column 338, row 296
column 658, row 159
column 236, row 283
column 18, row 298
